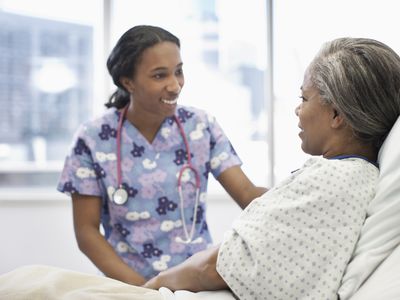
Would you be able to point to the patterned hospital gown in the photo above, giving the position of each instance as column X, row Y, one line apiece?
column 143, row 230
column 295, row 241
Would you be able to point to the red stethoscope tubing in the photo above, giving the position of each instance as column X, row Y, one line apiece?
column 189, row 157
column 119, row 129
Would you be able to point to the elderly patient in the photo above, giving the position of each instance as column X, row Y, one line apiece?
column 295, row 241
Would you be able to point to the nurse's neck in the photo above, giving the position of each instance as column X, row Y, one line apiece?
column 147, row 124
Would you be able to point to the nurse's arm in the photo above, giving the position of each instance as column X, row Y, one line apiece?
column 239, row 186
column 87, row 214
column 197, row 273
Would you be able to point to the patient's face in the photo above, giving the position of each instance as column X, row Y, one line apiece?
column 314, row 120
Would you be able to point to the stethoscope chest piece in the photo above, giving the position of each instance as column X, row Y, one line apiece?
column 120, row 196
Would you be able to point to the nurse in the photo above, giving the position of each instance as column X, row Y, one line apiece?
column 141, row 169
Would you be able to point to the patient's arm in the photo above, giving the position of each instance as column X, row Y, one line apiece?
column 197, row 273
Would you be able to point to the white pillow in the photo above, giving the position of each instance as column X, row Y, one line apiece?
column 381, row 231
column 384, row 283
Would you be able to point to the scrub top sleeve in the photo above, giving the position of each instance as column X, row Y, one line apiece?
column 222, row 154
column 80, row 174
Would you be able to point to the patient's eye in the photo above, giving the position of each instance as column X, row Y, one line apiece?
column 302, row 98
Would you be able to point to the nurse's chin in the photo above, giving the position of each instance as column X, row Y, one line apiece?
column 168, row 110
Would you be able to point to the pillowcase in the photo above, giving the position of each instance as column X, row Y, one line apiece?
column 380, row 233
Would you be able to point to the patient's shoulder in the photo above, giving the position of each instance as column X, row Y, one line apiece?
column 351, row 168
column 321, row 178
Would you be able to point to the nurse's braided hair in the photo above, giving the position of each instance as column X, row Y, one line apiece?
column 126, row 55
column 361, row 78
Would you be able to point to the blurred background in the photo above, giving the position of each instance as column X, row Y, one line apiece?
column 243, row 62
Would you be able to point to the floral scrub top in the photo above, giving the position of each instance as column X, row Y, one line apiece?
column 143, row 231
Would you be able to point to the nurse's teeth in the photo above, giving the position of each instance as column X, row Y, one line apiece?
column 169, row 101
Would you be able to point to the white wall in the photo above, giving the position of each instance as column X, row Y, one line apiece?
column 39, row 232
column 37, row 229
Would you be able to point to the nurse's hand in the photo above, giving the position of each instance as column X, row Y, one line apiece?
column 197, row 273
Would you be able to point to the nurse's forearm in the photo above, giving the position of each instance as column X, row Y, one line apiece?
column 100, row 252
column 239, row 186
column 197, row 273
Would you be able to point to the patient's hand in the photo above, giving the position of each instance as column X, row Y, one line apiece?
column 197, row 273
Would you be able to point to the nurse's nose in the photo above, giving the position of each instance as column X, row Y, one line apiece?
column 174, row 85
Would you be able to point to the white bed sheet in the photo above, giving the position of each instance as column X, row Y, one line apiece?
column 38, row 282
column 46, row 282
column 206, row 295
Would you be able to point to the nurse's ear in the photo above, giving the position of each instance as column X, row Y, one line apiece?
column 127, row 83
column 337, row 120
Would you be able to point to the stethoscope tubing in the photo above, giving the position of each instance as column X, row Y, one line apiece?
column 119, row 132
column 188, row 165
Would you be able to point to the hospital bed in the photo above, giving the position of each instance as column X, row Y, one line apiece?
column 373, row 272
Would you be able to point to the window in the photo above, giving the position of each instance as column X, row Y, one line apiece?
column 223, row 47
column 46, row 85
column 300, row 29
column 50, row 66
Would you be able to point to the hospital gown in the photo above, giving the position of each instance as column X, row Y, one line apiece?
column 295, row 241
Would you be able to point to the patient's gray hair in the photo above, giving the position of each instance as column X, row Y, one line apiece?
column 361, row 78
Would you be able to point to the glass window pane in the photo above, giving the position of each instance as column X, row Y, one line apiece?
column 224, row 64
column 300, row 29
column 46, row 84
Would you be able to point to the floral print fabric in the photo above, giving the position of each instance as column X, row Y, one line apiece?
column 143, row 231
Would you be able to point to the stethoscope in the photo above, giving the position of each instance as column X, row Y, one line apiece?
column 120, row 196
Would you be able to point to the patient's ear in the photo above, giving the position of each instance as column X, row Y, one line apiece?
column 337, row 120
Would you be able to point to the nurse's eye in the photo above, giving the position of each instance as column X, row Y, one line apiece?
column 159, row 75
